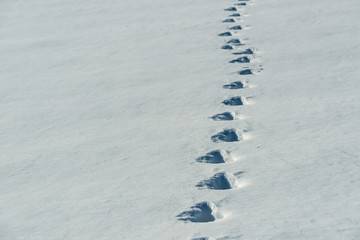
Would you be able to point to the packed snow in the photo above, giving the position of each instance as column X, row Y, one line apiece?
column 207, row 119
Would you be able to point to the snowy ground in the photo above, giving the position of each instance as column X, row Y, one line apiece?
column 106, row 105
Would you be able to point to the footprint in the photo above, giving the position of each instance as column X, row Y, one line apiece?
column 246, row 72
column 235, row 42
column 240, row 4
column 227, row 47
column 231, row 43
column 229, row 20
column 234, row 85
column 240, row 60
column 247, row 51
column 234, row 101
column 225, row 34
column 225, row 116
column 231, row 9
column 228, row 135
column 235, row 15
column 220, row 181
column 215, row 157
column 201, row 212
column 236, row 28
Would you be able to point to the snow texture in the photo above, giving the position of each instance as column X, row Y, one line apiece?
column 109, row 111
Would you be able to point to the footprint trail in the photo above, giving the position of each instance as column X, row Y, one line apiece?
column 207, row 211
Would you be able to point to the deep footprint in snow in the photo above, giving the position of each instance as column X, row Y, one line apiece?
column 220, row 181
column 201, row 212
column 215, row 157
column 227, row 135
column 235, row 42
column 236, row 28
column 225, row 116
column 231, row 9
column 240, row 4
column 234, row 85
column 227, row 47
column 240, row 60
column 245, row 52
column 231, row 43
column 229, row 20
column 246, row 72
column 225, row 34
column 234, row 101
column 235, row 15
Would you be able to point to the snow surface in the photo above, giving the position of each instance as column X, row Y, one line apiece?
column 106, row 108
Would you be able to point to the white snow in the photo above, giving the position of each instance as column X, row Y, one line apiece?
column 106, row 106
